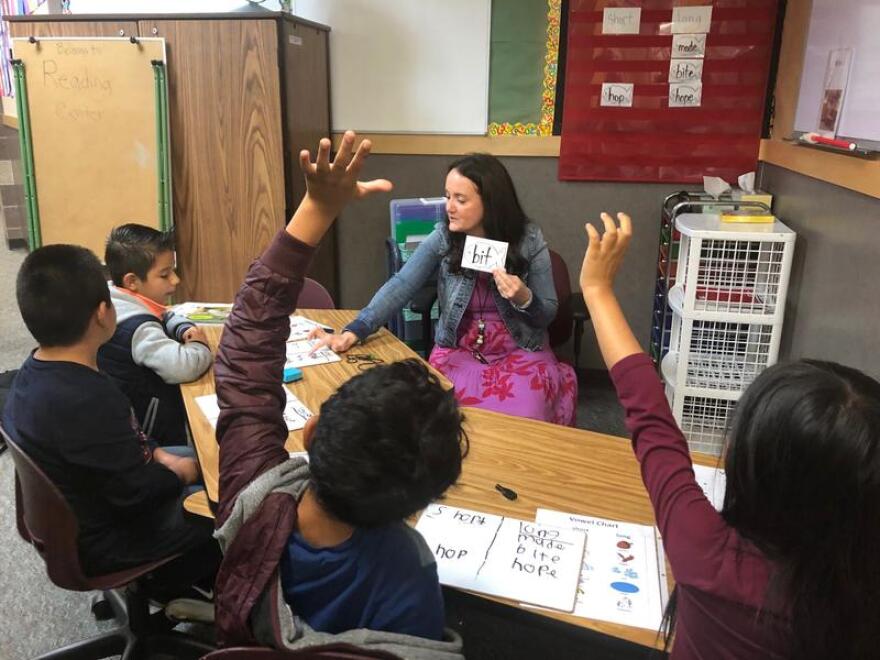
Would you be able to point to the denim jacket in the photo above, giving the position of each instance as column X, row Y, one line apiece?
column 527, row 326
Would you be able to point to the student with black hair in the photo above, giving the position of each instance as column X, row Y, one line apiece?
column 491, row 337
column 153, row 349
column 80, row 429
column 788, row 568
column 321, row 547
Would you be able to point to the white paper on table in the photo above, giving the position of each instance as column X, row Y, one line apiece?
column 623, row 577
column 295, row 412
column 713, row 481
column 483, row 254
column 300, row 327
column 505, row 557
column 298, row 354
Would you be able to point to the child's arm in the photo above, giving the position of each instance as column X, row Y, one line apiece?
column 172, row 361
column 692, row 530
column 251, row 429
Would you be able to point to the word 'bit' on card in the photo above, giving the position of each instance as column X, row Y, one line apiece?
column 483, row 254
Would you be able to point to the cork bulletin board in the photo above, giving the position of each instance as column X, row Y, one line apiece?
column 95, row 130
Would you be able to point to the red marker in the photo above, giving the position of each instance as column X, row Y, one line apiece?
column 815, row 138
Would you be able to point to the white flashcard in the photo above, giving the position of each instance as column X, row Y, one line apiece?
column 621, row 20
column 295, row 412
column 694, row 20
column 483, row 254
column 299, row 354
column 688, row 71
column 688, row 45
column 686, row 95
column 617, row 95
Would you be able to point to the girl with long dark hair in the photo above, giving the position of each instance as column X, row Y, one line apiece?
column 788, row 568
column 491, row 338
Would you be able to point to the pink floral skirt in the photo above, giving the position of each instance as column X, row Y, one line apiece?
column 515, row 381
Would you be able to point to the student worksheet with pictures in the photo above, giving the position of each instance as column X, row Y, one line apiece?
column 299, row 354
column 506, row 557
column 623, row 577
column 300, row 327
column 295, row 411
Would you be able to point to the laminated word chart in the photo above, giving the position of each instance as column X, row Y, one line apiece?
column 623, row 577
column 713, row 481
column 295, row 412
column 506, row 557
column 299, row 354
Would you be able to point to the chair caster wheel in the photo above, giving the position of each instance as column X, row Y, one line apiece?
column 101, row 609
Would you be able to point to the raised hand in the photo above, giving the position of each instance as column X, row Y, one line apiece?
column 604, row 253
column 334, row 184
column 330, row 186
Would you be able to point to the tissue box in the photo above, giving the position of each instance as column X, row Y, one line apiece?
column 757, row 196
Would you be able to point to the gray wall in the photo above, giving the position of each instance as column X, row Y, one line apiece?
column 561, row 209
column 833, row 309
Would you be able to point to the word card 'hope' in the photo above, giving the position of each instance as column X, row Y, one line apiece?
column 483, row 254
column 525, row 561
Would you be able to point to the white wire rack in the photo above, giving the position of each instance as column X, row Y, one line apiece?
column 727, row 307
column 729, row 268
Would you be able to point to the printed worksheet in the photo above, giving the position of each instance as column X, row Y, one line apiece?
column 300, row 327
column 623, row 576
column 713, row 481
column 299, row 354
column 295, row 411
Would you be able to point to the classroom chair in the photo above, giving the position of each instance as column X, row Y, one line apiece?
column 323, row 652
column 314, row 296
column 46, row 521
column 572, row 313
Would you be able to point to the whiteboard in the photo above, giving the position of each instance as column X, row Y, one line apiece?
column 406, row 66
column 844, row 24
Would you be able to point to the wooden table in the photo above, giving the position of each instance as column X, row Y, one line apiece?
column 549, row 466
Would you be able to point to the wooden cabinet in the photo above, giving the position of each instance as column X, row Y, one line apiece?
column 247, row 92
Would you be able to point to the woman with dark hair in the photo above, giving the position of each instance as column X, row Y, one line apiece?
column 491, row 338
column 788, row 568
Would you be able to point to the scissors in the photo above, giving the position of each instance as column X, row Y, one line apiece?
column 363, row 360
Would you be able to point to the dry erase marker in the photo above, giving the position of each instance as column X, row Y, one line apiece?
column 815, row 138
column 507, row 492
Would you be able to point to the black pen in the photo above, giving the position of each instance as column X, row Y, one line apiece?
column 507, row 492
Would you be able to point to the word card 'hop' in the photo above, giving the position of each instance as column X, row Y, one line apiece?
column 483, row 254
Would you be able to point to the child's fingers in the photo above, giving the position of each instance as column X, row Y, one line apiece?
column 343, row 156
column 305, row 161
column 322, row 162
column 360, row 157
column 365, row 188
column 592, row 235
column 316, row 333
column 625, row 231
